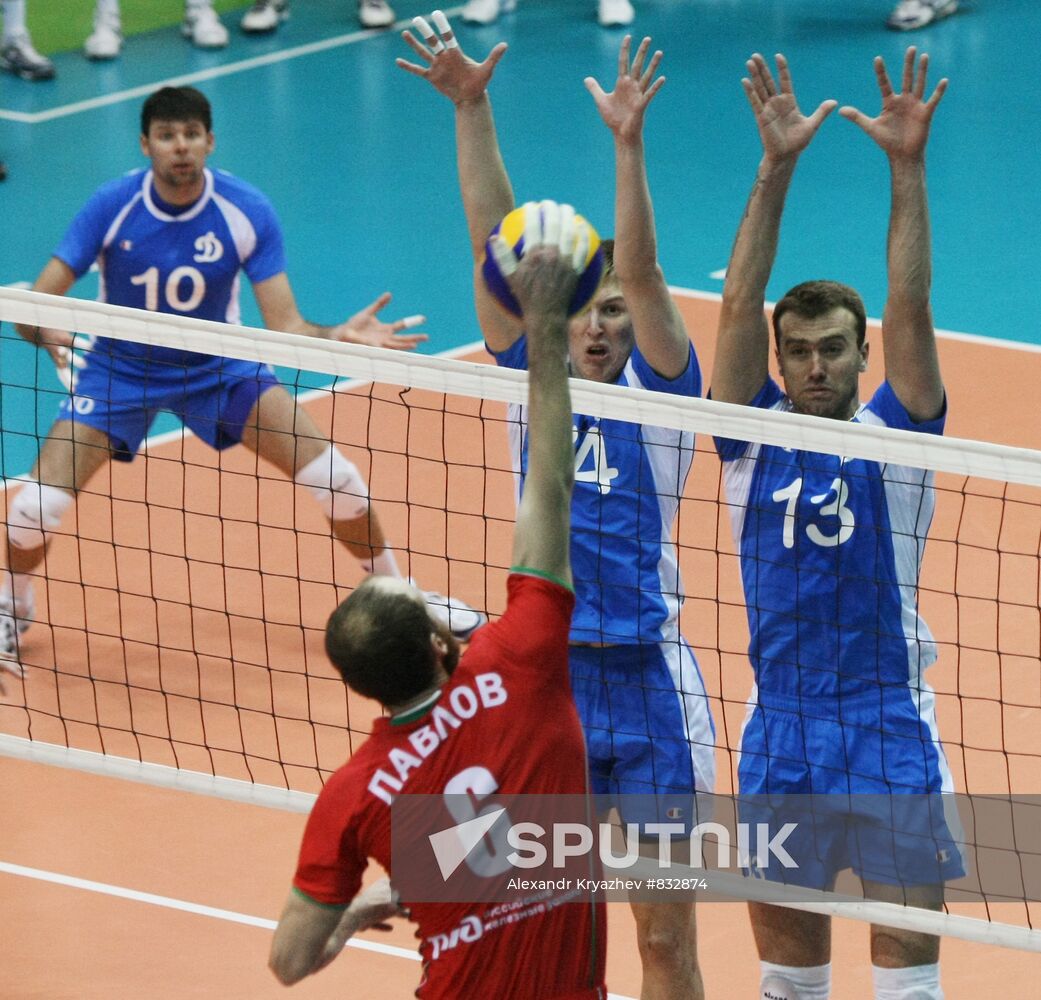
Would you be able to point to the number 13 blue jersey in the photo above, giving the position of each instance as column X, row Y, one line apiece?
column 831, row 550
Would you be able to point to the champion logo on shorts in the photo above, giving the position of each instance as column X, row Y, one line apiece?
column 210, row 249
column 943, row 856
column 126, row 245
column 674, row 813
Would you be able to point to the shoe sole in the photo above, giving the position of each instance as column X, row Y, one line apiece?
column 27, row 74
column 939, row 15
column 279, row 18
column 186, row 33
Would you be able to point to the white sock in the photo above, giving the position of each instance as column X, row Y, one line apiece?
column 14, row 19
column 916, row 982
column 18, row 586
column 791, row 982
column 383, row 565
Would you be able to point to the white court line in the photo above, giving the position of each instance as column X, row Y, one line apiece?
column 199, row 910
column 228, row 69
column 968, row 338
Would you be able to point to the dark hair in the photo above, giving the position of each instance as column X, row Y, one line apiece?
column 815, row 298
column 176, row 104
column 379, row 641
column 607, row 246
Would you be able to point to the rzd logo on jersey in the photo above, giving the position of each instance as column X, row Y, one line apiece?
column 210, row 249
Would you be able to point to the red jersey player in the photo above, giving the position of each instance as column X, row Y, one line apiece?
column 501, row 716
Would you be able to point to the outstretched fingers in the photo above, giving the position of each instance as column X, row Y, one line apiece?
column 652, row 68
column 822, row 112
column 937, row 95
column 907, row 82
column 636, row 69
column 885, row 86
column 376, row 305
column 495, row 55
column 442, row 25
column 623, row 55
column 433, row 44
column 761, row 78
column 784, row 74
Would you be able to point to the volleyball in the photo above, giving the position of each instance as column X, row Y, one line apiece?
column 511, row 229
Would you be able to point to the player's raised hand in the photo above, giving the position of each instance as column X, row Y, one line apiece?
column 902, row 127
column 784, row 130
column 445, row 66
column 623, row 109
column 367, row 328
column 555, row 249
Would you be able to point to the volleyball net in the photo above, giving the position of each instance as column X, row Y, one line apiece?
column 180, row 611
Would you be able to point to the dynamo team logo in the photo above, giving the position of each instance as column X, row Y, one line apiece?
column 210, row 249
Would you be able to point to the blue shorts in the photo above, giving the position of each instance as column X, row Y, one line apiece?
column 649, row 732
column 213, row 401
column 867, row 788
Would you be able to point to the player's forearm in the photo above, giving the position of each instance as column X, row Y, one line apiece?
column 755, row 247
column 305, row 328
column 483, row 181
column 636, row 244
column 909, row 250
column 541, row 540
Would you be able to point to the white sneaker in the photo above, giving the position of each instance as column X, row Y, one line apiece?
column 265, row 15
column 615, row 13
column 461, row 619
column 375, row 14
column 106, row 40
column 18, row 56
column 911, row 14
column 486, row 11
column 202, row 27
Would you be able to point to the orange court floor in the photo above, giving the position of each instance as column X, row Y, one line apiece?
column 113, row 889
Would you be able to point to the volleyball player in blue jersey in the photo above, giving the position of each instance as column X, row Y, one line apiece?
column 175, row 239
column 831, row 550
column 636, row 682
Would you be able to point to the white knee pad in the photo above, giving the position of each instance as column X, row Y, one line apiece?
column 917, row 982
column 35, row 510
column 787, row 982
column 336, row 484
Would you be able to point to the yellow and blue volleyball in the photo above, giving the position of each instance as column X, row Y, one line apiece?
column 512, row 231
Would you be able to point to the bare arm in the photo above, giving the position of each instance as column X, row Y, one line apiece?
column 908, row 339
column 657, row 324
column 55, row 279
column 278, row 307
column 743, row 344
column 543, row 283
column 309, row 936
column 484, row 184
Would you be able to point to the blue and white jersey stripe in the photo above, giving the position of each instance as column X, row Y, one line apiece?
column 628, row 483
column 831, row 550
column 185, row 262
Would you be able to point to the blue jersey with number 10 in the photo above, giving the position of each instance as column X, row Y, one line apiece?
column 831, row 550
column 166, row 259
